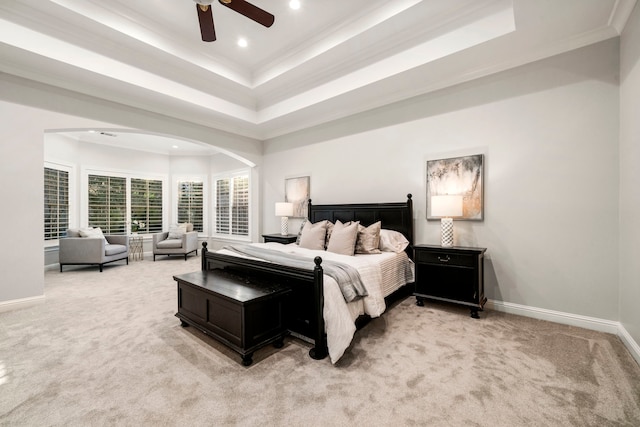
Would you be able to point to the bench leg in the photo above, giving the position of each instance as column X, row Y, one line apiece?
column 247, row 359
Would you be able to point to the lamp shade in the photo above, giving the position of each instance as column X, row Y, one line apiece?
column 446, row 205
column 284, row 209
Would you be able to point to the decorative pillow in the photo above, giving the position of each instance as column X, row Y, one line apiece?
column 73, row 232
column 177, row 231
column 188, row 226
column 368, row 240
column 392, row 241
column 330, row 226
column 91, row 232
column 343, row 238
column 313, row 235
column 304, row 222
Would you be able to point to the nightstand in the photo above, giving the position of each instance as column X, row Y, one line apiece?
column 454, row 274
column 279, row 238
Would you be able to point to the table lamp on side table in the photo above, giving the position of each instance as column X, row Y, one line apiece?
column 446, row 207
column 284, row 210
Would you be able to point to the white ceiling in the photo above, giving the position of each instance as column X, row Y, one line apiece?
column 327, row 60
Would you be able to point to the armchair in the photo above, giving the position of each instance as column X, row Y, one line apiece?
column 176, row 241
column 97, row 249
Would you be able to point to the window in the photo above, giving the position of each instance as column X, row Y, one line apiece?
column 56, row 203
column 232, row 205
column 190, row 204
column 108, row 203
column 146, row 205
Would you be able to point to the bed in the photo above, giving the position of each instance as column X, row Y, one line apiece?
column 317, row 311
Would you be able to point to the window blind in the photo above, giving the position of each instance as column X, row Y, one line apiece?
column 232, row 205
column 223, row 199
column 56, row 203
column 190, row 204
column 146, row 205
column 107, row 203
column 240, row 206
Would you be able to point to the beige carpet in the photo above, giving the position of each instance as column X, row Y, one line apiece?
column 106, row 349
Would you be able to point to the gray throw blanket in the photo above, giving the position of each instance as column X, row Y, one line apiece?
column 346, row 276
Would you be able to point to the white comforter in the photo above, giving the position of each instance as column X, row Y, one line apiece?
column 381, row 274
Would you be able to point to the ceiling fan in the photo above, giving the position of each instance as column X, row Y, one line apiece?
column 205, row 15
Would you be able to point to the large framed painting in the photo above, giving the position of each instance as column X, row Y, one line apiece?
column 296, row 191
column 457, row 176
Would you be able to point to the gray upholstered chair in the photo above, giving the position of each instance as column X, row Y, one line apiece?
column 94, row 250
column 176, row 241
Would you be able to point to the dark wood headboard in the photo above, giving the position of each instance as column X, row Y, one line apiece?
column 394, row 216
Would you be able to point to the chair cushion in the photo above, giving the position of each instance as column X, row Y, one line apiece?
column 170, row 244
column 114, row 249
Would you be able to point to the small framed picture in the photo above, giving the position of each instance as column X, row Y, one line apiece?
column 458, row 176
column 296, row 191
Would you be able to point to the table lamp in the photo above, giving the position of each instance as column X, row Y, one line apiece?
column 284, row 210
column 446, row 207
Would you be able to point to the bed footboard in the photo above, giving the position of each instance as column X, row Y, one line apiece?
column 305, row 311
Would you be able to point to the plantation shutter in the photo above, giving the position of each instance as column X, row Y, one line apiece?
column 232, row 205
column 107, row 203
column 240, row 206
column 56, row 203
column 190, row 204
column 146, row 205
column 222, row 205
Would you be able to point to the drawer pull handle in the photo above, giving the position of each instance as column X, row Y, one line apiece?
column 445, row 259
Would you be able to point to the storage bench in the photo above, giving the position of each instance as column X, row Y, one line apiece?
column 242, row 313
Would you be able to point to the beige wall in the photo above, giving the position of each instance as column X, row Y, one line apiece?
column 549, row 134
column 630, row 177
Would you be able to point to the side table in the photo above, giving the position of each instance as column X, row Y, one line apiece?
column 279, row 238
column 453, row 274
column 135, row 248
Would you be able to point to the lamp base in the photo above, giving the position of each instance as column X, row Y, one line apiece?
column 447, row 232
column 284, row 225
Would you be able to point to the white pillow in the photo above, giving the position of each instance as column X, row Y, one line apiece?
column 313, row 235
column 392, row 241
column 343, row 238
column 177, row 231
column 93, row 233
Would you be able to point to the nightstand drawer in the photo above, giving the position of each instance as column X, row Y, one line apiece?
column 446, row 258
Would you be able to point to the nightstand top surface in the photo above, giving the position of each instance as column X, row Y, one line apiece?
column 450, row 248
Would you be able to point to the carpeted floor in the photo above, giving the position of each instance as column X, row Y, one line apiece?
column 106, row 349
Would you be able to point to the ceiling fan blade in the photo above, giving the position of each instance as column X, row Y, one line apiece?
column 205, row 17
column 250, row 11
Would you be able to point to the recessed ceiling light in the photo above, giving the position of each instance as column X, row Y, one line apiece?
column 242, row 42
column 92, row 131
column 174, row 146
column 294, row 4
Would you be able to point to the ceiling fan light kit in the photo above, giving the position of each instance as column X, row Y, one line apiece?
column 205, row 15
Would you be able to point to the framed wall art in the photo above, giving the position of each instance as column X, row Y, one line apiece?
column 296, row 191
column 458, row 176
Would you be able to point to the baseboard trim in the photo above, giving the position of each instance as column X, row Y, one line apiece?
column 630, row 343
column 593, row 323
column 20, row 303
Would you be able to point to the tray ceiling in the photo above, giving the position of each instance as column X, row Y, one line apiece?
column 325, row 61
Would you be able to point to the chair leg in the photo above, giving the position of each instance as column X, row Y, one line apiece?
column 154, row 257
column 60, row 268
column 100, row 268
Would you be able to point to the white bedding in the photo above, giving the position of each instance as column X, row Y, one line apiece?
column 382, row 274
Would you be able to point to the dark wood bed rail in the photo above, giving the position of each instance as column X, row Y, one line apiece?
column 306, row 316
column 301, row 281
